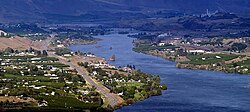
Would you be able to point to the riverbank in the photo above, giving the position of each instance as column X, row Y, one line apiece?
column 229, row 63
column 83, row 41
column 125, row 82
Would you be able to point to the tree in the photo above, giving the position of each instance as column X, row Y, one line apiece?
column 9, row 50
column 33, row 68
column 31, row 49
column 44, row 53
column 238, row 47
column 61, row 79
column 164, row 87
column 62, row 51
column 12, row 71
column 38, row 53
column 75, row 78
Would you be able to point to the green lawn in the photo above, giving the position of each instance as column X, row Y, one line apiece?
column 57, row 85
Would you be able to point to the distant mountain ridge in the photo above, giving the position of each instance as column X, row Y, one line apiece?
column 35, row 10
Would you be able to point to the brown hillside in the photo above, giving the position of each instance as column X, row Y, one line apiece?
column 19, row 43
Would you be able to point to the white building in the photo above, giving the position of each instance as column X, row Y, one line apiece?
column 2, row 33
column 60, row 46
column 161, row 44
column 196, row 51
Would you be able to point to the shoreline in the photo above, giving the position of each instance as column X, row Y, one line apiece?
column 126, row 102
column 196, row 67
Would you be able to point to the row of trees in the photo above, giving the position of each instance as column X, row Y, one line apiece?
column 62, row 51
column 39, row 53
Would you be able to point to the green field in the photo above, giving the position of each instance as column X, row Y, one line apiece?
column 148, row 47
column 57, row 85
column 56, row 64
column 243, row 64
column 209, row 58
column 29, row 78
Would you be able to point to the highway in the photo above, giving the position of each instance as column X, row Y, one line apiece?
column 114, row 100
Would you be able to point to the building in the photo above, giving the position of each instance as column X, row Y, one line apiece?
column 161, row 44
column 60, row 46
column 3, row 34
column 196, row 51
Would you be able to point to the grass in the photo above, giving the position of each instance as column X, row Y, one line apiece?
column 209, row 58
column 244, row 63
column 148, row 47
column 57, row 85
column 139, row 96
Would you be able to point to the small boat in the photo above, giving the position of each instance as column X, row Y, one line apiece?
column 112, row 58
column 110, row 48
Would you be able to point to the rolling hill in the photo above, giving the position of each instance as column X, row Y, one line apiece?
column 39, row 10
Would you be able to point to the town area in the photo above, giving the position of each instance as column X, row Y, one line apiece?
column 49, row 76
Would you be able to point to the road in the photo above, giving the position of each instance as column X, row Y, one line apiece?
column 114, row 100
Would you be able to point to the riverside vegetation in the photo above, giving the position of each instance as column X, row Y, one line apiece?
column 219, row 54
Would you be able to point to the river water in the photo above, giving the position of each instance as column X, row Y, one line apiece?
column 188, row 90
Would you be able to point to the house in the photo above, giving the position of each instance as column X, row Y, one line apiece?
column 90, row 55
column 43, row 104
column 47, row 75
column 83, row 91
column 60, row 46
column 35, row 59
column 67, row 82
column 54, row 78
column 53, row 93
column 37, row 87
column 218, row 57
column 3, row 34
column 67, row 55
column 196, row 51
column 120, row 94
column 127, row 69
column 95, row 73
column 161, row 44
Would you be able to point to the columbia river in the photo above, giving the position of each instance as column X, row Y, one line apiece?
column 188, row 90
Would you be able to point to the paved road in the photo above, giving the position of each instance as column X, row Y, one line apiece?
column 113, row 99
